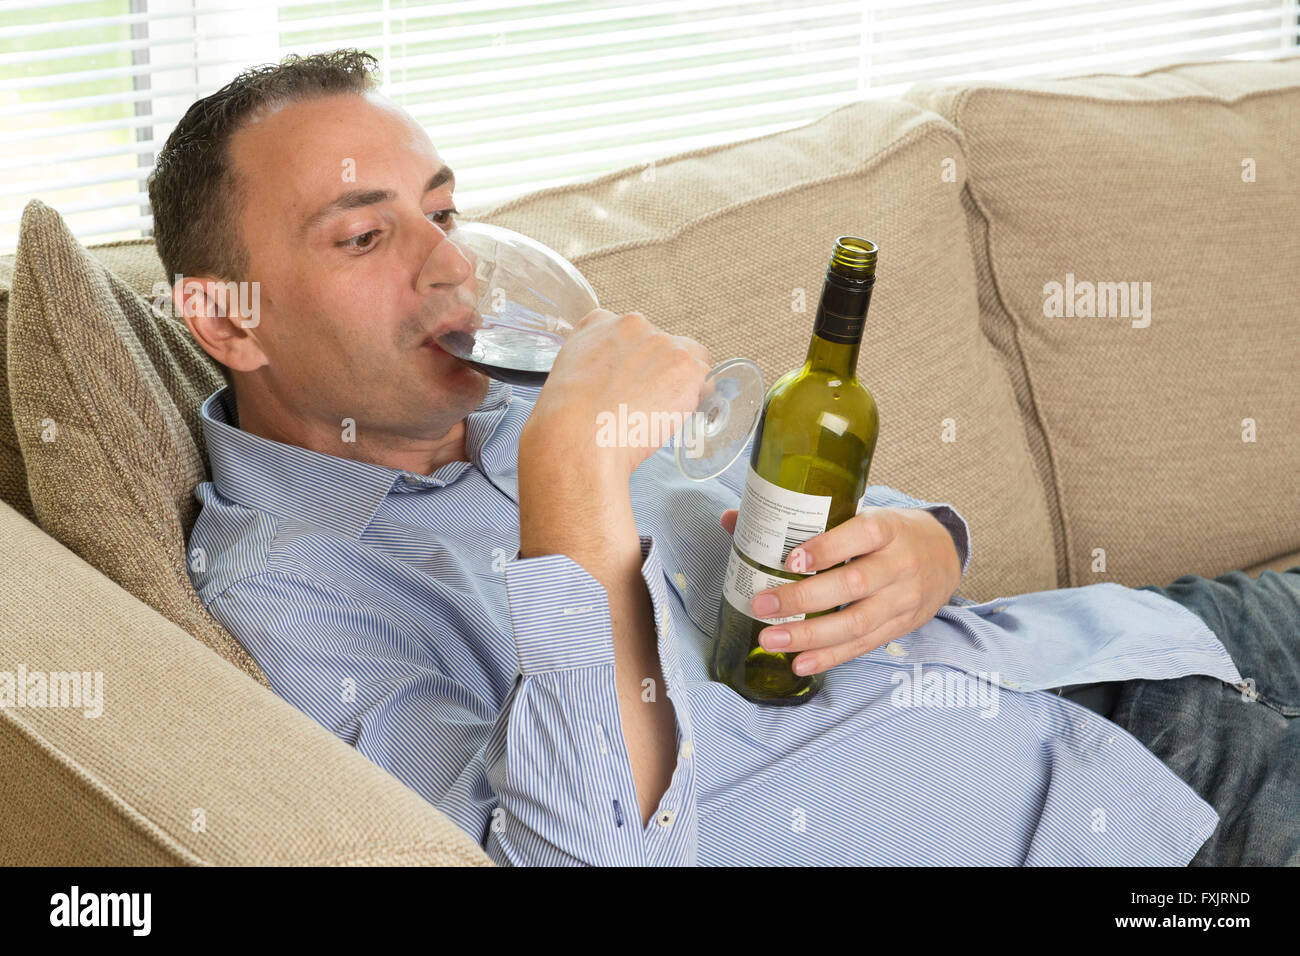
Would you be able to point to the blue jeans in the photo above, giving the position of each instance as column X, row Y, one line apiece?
column 1238, row 748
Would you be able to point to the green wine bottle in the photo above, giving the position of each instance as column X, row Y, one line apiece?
column 807, row 471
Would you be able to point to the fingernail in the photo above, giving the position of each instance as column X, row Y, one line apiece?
column 765, row 604
column 804, row 666
column 798, row 561
column 776, row 638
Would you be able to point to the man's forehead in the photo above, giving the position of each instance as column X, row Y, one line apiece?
column 311, row 148
column 333, row 113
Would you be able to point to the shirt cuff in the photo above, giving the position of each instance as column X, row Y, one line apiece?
column 560, row 613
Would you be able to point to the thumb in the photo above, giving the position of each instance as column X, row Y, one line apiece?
column 729, row 520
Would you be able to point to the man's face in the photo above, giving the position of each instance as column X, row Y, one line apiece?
column 353, row 282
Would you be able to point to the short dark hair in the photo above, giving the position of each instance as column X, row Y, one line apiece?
column 193, row 190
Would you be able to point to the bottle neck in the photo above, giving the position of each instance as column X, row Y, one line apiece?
column 837, row 332
column 835, row 357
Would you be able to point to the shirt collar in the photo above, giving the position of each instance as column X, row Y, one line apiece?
column 341, row 494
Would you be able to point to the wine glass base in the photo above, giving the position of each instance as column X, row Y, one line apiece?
column 715, row 434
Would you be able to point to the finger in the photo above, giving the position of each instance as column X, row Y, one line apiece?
column 729, row 520
column 869, row 530
column 858, row 579
column 827, row 630
column 814, row 662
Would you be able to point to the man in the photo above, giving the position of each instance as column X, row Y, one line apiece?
column 452, row 576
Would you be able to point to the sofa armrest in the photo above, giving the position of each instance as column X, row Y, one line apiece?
column 190, row 762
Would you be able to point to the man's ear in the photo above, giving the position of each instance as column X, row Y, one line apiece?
column 222, row 316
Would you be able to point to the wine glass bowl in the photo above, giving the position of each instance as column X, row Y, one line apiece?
column 528, row 299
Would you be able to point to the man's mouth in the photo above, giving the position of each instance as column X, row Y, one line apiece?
column 462, row 325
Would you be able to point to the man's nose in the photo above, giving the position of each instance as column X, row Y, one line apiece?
column 446, row 266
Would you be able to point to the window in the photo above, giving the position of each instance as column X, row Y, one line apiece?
column 522, row 94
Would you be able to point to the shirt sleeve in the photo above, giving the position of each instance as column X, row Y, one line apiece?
column 559, row 788
column 559, row 763
column 368, row 669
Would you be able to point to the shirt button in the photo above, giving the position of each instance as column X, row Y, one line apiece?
column 997, row 610
column 894, row 649
column 665, row 818
column 687, row 749
column 1010, row 683
column 663, row 619
column 680, row 579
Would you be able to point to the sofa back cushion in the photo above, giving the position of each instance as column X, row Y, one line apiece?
column 725, row 244
column 1167, row 432
column 718, row 244
column 105, row 394
column 13, row 476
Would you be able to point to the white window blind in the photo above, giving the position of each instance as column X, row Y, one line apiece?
column 521, row 94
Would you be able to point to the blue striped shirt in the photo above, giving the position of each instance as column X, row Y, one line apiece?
column 393, row 608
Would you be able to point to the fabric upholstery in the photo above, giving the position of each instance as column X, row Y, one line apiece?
column 105, row 394
column 187, row 762
column 133, row 260
column 13, row 477
column 714, row 244
column 1138, row 431
column 1279, row 564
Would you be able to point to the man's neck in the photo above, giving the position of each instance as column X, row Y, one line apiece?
column 420, row 456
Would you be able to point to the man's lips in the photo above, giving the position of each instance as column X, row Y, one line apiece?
column 463, row 324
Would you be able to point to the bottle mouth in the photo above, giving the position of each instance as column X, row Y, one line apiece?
column 853, row 258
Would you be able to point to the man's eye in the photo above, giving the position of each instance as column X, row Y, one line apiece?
column 366, row 240
column 362, row 241
column 449, row 215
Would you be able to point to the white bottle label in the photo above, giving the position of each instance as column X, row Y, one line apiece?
column 742, row 582
column 773, row 520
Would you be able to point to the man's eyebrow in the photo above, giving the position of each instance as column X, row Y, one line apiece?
column 355, row 198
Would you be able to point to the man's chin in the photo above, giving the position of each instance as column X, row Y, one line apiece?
column 455, row 380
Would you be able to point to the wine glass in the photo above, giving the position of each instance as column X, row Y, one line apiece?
column 530, row 296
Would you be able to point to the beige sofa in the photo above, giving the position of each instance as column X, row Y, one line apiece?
column 1130, row 447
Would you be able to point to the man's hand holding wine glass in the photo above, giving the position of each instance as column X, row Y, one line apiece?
column 607, row 361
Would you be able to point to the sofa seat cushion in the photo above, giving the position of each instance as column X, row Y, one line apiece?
column 1284, row 563
column 150, row 751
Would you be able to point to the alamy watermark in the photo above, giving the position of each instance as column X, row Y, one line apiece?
column 232, row 298
column 1121, row 300
column 127, row 910
column 638, row 429
column 945, row 688
column 26, row 688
